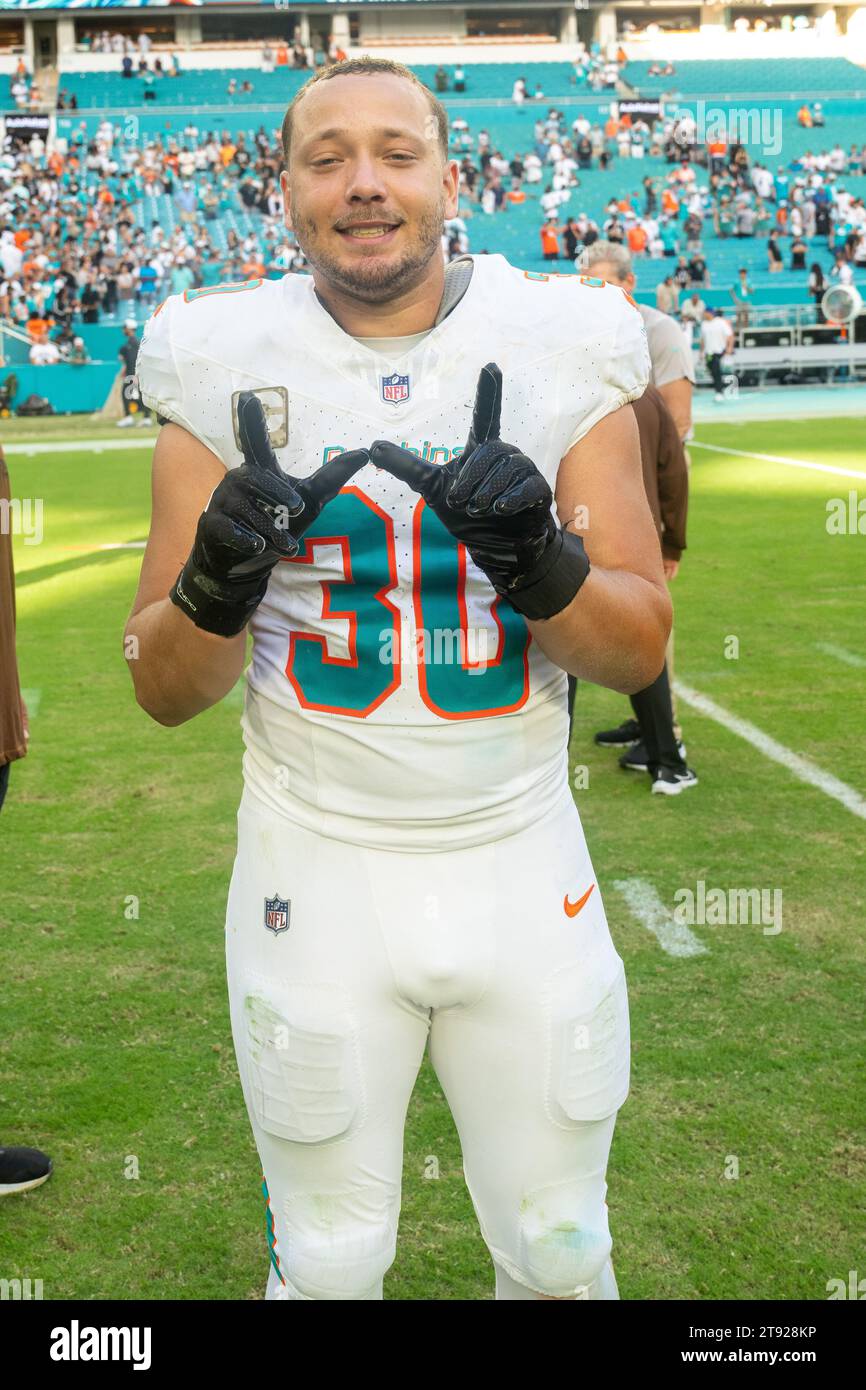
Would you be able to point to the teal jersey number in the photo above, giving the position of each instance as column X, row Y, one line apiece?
column 463, row 672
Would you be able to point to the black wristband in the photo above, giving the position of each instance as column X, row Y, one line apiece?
column 221, row 608
column 553, row 583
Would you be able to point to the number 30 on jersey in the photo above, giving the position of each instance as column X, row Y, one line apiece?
column 453, row 681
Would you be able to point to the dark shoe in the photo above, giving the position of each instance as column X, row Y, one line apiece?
column 668, row 781
column 618, row 738
column 21, row 1169
column 635, row 757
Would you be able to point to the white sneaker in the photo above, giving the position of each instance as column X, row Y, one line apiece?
column 668, row 782
column 125, row 422
column 719, row 396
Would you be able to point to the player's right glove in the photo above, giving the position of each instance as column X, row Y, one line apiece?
column 495, row 501
column 254, row 519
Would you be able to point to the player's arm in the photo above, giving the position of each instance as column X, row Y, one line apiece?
column 677, row 396
column 177, row 669
column 672, row 372
column 615, row 629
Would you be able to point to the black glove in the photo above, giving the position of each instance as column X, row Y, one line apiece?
column 253, row 519
column 494, row 500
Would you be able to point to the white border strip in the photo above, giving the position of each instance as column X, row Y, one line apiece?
column 778, row 458
column 800, row 767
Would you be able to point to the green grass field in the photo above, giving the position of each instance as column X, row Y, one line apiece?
column 117, row 1056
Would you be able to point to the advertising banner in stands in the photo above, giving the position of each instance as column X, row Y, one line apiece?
column 102, row 4
column 105, row 4
column 26, row 125
column 208, row 4
column 639, row 106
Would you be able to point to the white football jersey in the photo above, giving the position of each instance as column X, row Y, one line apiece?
column 393, row 700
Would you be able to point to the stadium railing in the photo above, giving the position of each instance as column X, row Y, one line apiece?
column 828, row 360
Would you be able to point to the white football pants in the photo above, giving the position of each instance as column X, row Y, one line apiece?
column 524, row 1005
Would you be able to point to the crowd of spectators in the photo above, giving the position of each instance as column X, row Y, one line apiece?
column 72, row 250
column 83, row 241
column 24, row 89
column 670, row 214
column 598, row 68
column 105, row 42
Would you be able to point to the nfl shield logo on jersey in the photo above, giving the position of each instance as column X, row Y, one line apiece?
column 277, row 911
column 395, row 389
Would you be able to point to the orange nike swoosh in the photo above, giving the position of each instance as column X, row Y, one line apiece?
column 572, row 909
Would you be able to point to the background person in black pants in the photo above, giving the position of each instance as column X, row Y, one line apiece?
column 20, row 1169
column 666, row 481
column 717, row 340
column 128, row 354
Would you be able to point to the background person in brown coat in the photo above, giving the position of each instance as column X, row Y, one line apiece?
column 20, row 1169
column 13, row 716
column 667, row 488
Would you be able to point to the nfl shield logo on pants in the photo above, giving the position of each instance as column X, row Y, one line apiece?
column 395, row 388
column 277, row 912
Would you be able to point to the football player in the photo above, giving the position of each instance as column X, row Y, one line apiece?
column 422, row 494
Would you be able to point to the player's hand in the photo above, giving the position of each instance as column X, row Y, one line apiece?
column 494, row 500
column 254, row 519
column 491, row 497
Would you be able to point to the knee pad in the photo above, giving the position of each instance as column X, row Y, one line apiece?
column 565, row 1242
column 300, row 1054
column 340, row 1245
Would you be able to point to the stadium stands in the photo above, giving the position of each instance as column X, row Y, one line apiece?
column 791, row 76
column 195, row 107
column 207, row 87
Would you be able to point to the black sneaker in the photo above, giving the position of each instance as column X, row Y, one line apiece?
column 635, row 757
column 21, row 1169
column 618, row 738
column 669, row 782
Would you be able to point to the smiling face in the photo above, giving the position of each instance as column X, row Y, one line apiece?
column 368, row 187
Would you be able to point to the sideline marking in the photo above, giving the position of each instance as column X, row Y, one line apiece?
column 849, row 658
column 801, row 767
column 644, row 903
column 92, row 446
column 779, row 458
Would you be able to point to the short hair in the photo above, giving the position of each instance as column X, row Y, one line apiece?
column 365, row 67
column 612, row 251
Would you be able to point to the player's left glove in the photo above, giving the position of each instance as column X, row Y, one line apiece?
column 255, row 518
column 493, row 499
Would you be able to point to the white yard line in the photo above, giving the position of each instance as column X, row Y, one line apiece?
column 644, row 903
column 797, row 765
column 71, row 446
column 840, row 654
column 779, row 458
